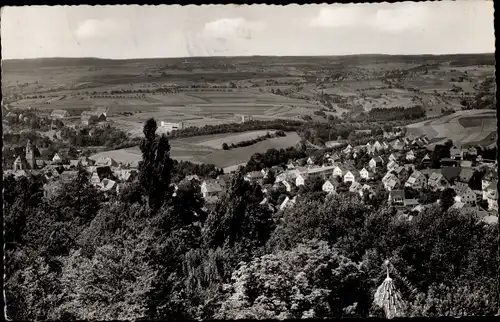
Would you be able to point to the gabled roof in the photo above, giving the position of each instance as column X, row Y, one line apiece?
column 59, row 113
column 462, row 188
column 450, row 173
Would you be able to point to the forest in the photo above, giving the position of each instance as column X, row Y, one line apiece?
column 164, row 255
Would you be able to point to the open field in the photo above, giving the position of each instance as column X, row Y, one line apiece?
column 211, row 91
column 203, row 149
column 463, row 127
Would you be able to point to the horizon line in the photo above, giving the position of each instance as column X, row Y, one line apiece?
column 243, row 56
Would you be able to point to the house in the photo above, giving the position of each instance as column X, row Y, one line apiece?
column 472, row 151
column 126, row 175
column 465, row 193
column 365, row 174
column 451, row 173
column 390, row 181
column 290, row 165
column 417, row 181
column 393, row 157
column 377, row 146
column 376, row 162
column 210, row 188
column 347, row 149
column 370, row 150
column 89, row 119
column 437, row 181
column 254, row 176
column 310, row 161
column 92, row 117
column 57, row 158
column 357, row 188
column 288, row 186
column 456, row 153
column 447, row 162
column 396, row 197
column 398, row 145
column 410, row 156
column 465, row 175
column 492, row 196
column 426, row 161
column 488, row 177
column 391, row 165
column 410, row 202
column 85, row 162
column 75, row 163
column 351, row 176
column 385, row 146
column 330, row 186
column 466, row 164
column 108, row 185
column 400, row 172
column 106, row 161
column 301, row 179
column 59, row 114
column 339, row 171
column 287, row 203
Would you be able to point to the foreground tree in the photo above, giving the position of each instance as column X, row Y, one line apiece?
column 309, row 281
column 156, row 166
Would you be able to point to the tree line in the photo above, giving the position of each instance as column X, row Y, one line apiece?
column 244, row 143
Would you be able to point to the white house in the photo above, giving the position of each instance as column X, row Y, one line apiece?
column 310, row 161
column 392, row 157
column 417, row 180
column 287, row 203
column 210, row 188
column 465, row 193
column 287, row 185
column 330, row 186
column 301, row 179
column 410, row 156
column 437, row 181
column 56, row 158
column 338, row 171
column 365, row 174
column 350, row 176
column 390, row 181
column 392, row 165
column 492, row 196
column 348, row 149
column 377, row 146
column 376, row 162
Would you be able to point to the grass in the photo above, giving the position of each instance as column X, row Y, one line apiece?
column 194, row 150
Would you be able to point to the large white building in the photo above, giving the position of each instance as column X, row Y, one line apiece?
column 169, row 127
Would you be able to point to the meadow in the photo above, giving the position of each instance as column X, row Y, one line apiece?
column 206, row 149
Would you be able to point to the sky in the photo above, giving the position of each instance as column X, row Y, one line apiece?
column 123, row 32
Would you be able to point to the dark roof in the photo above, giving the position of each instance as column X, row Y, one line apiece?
column 450, row 172
column 104, row 172
column 397, row 193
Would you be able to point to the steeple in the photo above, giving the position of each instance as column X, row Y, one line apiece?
column 30, row 155
column 389, row 298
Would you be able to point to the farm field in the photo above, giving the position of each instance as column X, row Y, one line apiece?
column 211, row 92
column 464, row 127
column 199, row 150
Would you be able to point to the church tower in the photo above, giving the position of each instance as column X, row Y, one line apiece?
column 30, row 155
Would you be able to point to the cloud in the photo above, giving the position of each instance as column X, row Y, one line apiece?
column 405, row 17
column 233, row 28
column 397, row 18
column 345, row 16
column 94, row 28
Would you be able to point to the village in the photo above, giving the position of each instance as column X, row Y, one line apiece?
column 400, row 169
